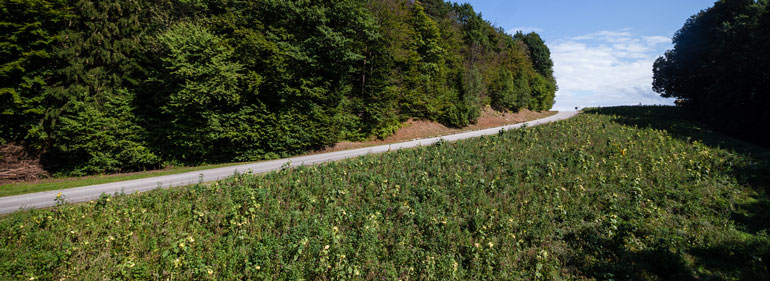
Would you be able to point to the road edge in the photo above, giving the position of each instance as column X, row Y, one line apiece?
column 10, row 204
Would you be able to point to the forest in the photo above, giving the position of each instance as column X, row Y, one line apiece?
column 128, row 85
column 719, row 68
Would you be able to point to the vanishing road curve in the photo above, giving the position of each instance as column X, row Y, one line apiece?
column 44, row 199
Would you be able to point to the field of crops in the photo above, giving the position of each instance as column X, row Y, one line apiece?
column 628, row 193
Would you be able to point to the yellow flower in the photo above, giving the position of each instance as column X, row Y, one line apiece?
column 58, row 195
column 210, row 271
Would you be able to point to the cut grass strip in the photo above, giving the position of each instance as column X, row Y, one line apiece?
column 61, row 183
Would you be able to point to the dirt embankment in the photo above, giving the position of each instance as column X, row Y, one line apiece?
column 417, row 129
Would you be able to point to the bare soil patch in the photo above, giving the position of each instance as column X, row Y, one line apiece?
column 418, row 129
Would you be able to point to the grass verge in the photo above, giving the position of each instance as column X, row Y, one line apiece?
column 630, row 193
column 61, row 183
column 487, row 121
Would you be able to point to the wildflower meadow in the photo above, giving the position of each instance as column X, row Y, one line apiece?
column 627, row 193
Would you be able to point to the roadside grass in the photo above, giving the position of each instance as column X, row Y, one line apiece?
column 627, row 193
column 61, row 183
column 71, row 182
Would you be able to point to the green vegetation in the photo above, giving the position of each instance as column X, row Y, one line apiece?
column 125, row 85
column 720, row 70
column 70, row 182
column 62, row 183
column 628, row 193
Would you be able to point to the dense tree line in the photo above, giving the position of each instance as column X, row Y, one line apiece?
column 118, row 85
column 720, row 67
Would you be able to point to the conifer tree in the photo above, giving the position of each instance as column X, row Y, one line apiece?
column 29, row 29
column 97, row 55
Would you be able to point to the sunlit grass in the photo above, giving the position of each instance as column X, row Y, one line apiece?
column 617, row 194
column 71, row 182
column 62, row 183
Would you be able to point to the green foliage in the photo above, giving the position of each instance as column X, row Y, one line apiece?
column 719, row 69
column 511, row 93
column 523, row 91
column 214, row 81
column 466, row 110
column 99, row 52
column 313, row 57
column 373, row 101
column 541, row 56
column 101, row 140
column 200, row 91
column 632, row 193
column 28, row 31
column 473, row 24
column 543, row 93
column 426, row 72
column 89, row 126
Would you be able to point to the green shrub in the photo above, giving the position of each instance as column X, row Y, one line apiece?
column 103, row 139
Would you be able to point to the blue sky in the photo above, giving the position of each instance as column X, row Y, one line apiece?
column 602, row 50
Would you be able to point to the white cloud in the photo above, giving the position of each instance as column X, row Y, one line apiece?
column 657, row 39
column 612, row 36
column 606, row 68
column 524, row 29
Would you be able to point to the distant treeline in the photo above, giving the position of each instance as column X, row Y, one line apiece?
column 118, row 85
column 720, row 67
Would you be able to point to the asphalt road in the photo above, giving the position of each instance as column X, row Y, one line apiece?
column 44, row 199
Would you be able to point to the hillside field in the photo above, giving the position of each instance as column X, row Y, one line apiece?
column 624, row 193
